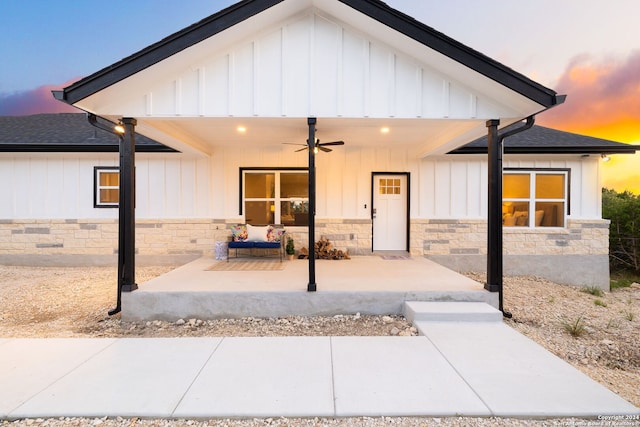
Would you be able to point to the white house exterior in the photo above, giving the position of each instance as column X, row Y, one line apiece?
column 231, row 92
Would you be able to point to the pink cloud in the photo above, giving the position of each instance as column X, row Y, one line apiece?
column 603, row 98
column 35, row 101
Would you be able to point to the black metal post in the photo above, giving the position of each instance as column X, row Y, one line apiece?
column 311, row 142
column 127, row 217
column 494, row 231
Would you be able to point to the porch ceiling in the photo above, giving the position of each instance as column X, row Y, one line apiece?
column 205, row 135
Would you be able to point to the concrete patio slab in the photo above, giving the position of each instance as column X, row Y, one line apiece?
column 130, row 377
column 28, row 366
column 363, row 284
column 264, row 377
column 514, row 376
column 398, row 376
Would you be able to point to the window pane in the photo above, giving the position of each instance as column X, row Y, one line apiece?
column 294, row 213
column 259, row 213
column 260, row 185
column 549, row 214
column 109, row 196
column 294, row 185
column 109, row 179
column 515, row 214
column 549, row 186
column 515, row 186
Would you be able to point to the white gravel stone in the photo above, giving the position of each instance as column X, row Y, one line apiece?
column 42, row 302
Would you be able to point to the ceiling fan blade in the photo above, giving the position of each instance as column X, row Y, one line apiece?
column 326, row 150
column 302, row 149
column 331, row 143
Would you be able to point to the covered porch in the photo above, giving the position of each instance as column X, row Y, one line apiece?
column 377, row 284
column 233, row 91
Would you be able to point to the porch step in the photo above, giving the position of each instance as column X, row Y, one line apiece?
column 429, row 311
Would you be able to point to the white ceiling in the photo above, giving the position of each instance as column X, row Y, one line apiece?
column 201, row 135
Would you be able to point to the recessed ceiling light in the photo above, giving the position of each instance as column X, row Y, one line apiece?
column 241, row 129
column 384, row 130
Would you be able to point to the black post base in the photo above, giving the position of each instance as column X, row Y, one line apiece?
column 492, row 287
column 311, row 287
column 129, row 288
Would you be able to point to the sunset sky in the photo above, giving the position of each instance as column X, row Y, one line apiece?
column 587, row 49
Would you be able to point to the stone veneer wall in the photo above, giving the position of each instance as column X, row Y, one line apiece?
column 198, row 237
column 458, row 244
column 95, row 242
column 469, row 237
column 576, row 255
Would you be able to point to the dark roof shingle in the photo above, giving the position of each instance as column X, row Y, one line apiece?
column 65, row 132
column 543, row 140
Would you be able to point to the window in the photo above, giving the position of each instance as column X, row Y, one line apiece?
column 106, row 187
column 275, row 196
column 536, row 198
column 389, row 186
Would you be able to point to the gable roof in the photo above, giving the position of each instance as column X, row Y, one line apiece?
column 66, row 132
column 543, row 140
column 375, row 9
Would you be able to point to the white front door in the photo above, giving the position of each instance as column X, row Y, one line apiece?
column 390, row 210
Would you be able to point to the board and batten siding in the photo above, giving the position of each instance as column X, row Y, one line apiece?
column 310, row 65
column 343, row 177
column 56, row 187
column 455, row 187
column 448, row 187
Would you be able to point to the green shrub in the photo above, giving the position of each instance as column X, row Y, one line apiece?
column 623, row 279
column 593, row 290
column 623, row 209
column 599, row 302
column 575, row 328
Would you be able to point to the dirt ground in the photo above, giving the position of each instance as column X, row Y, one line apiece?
column 73, row 302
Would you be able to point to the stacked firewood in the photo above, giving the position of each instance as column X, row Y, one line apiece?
column 324, row 250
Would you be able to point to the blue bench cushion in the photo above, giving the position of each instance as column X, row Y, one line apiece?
column 247, row 244
column 241, row 244
column 266, row 244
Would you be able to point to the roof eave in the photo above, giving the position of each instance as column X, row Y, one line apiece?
column 166, row 47
column 457, row 51
column 552, row 150
column 245, row 9
column 67, row 148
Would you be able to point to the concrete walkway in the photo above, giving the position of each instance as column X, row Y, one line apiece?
column 479, row 368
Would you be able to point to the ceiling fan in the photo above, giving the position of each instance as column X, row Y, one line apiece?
column 318, row 145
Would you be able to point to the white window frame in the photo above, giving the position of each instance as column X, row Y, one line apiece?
column 277, row 199
column 97, row 171
column 531, row 200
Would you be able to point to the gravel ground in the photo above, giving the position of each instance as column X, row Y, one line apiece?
column 73, row 302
